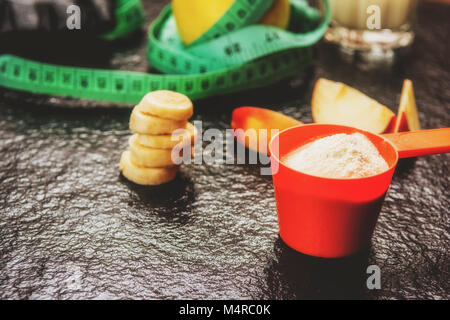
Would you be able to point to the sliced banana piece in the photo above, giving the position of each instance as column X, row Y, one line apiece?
column 167, row 104
column 144, row 123
column 153, row 157
column 145, row 176
column 187, row 135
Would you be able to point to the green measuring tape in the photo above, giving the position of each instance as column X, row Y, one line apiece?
column 233, row 55
column 129, row 17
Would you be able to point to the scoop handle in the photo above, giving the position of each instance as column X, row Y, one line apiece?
column 420, row 143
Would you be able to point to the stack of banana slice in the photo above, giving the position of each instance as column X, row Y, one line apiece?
column 160, row 123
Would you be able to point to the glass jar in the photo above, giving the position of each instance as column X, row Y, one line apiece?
column 372, row 24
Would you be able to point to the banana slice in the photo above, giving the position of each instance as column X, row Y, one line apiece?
column 145, row 176
column 151, row 157
column 167, row 104
column 144, row 123
column 185, row 136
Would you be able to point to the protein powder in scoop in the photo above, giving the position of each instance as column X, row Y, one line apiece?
column 340, row 156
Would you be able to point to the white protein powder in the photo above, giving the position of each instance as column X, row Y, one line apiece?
column 338, row 156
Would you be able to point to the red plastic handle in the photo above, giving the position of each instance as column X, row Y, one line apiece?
column 420, row 143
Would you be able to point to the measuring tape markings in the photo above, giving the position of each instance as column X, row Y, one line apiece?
column 237, row 47
column 241, row 14
column 249, row 71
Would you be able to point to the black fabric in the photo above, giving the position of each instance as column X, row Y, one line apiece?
column 97, row 16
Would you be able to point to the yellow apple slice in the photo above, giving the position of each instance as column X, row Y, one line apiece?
column 336, row 103
column 255, row 119
column 408, row 116
column 278, row 14
column 195, row 17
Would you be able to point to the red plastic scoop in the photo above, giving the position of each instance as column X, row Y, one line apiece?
column 328, row 217
column 420, row 143
column 409, row 144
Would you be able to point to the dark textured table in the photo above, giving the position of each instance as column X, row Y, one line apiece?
column 72, row 227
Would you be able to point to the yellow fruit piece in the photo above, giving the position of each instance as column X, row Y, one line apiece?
column 167, row 104
column 195, row 17
column 336, row 103
column 145, row 176
column 278, row 14
column 187, row 135
column 149, row 157
column 246, row 119
column 145, row 123
column 408, row 116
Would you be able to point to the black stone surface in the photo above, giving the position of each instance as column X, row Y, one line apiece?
column 71, row 227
